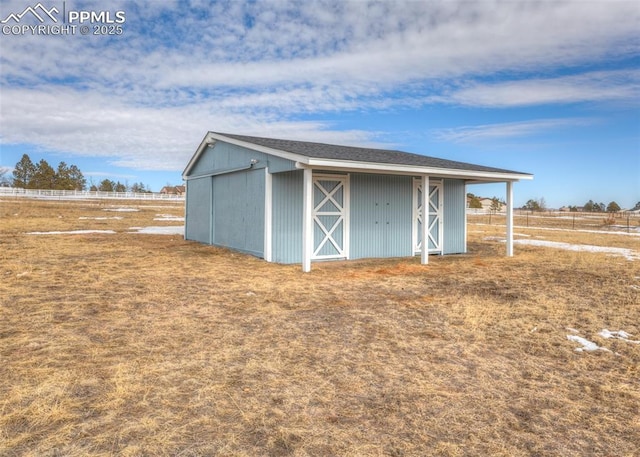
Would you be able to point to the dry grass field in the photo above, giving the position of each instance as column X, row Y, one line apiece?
column 128, row 344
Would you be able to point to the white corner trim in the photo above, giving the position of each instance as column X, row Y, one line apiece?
column 307, row 220
column 268, row 216
column 465, row 229
column 347, row 216
column 424, row 235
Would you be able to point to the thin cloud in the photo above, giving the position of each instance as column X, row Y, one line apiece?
column 492, row 132
column 619, row 85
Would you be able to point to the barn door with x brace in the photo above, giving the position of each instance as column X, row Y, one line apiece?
column 435, row 216
column 330, row 216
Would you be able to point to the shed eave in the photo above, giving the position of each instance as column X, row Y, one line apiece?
column 303, row 161
column 256, row 147
column 212, row 137
column 398, row 169
column 194, row 158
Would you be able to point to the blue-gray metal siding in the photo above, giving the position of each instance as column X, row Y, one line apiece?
column 238, row 211
column 287, row 217
column 228, row 209
column 227, row 156
column 198, row 212
column 381, row 216
column 453, row 216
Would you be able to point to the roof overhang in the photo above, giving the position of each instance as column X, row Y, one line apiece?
column 211, row 138
column 349, row 166
column 396, row 169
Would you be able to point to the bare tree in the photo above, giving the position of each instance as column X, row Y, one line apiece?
column 5, row 181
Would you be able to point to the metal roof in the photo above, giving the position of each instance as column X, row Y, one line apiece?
column 332, row 156
column 357, row 154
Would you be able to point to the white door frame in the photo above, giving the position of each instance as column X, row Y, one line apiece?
column 436, row 203
column 341, row 212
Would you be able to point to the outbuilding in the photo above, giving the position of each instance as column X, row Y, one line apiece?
column 296, row 201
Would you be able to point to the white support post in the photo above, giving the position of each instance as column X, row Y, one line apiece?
column 212, row 213
column 347, row 216
column 424, row 249
column 509, row 219
column 464, row 205
column 307, row 219
column 268, row 215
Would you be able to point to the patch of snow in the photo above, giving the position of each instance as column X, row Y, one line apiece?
column 73, row 232
column 168, row 217
column 628, row 254
column 587, row 345
column 122, row 210
column 624, row 227
column 559, row 217
column 600, row 232
column 573, row 330
column 160, row 230
column 99, row 218
column 620, row 335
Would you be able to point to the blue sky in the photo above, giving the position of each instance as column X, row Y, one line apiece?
column 547, row 87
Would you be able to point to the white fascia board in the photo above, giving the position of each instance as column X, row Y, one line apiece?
column 352, row 166
column 497, row 180
column 255, row 147
column 369, row 167
column 201, row 148
column 211, row 138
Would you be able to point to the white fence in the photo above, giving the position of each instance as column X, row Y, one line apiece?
column 84, row 194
